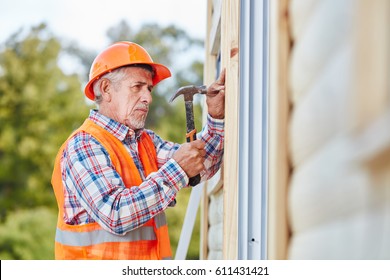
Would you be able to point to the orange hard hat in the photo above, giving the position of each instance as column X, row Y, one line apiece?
column 121, row 54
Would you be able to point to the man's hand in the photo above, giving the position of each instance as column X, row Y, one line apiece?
column 190, row 157
column 216, row 97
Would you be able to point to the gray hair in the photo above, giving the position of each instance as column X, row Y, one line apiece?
column 115, row 77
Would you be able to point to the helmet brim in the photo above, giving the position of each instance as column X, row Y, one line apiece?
column 161, row 72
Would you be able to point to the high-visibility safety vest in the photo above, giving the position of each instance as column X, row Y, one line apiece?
column 91, row 241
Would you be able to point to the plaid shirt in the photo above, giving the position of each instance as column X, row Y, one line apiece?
column 94, row 191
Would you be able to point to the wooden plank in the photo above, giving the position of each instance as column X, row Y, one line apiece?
column 278, row 232
column 229, row 56
column 208, row 77
column 371, row 107
column 372, row 60
column 204, row 226
column 215, row 29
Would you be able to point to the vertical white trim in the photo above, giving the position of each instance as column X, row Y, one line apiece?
column 189, row 221
column 243, row 154
column 253, row 135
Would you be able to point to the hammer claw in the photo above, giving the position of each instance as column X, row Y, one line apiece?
column 189, row 92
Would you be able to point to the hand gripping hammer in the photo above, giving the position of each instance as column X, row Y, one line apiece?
column 188, row 92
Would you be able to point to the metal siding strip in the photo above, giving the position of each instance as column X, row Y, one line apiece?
column 253, row 144
column 243, row 154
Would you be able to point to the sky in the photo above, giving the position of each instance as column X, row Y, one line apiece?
column 87, row 21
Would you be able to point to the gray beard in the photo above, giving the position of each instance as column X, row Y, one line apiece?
column 136, row 124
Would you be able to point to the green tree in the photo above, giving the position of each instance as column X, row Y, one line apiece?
column 39, row 106
column 24, row 235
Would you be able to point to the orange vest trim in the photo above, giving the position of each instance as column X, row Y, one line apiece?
column 91, row 241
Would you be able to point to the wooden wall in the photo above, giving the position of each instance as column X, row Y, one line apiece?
column 223, row 29
column 329, row 130
column 229, row 57
column 339, row 193
column 279, row 113
column 211, row 246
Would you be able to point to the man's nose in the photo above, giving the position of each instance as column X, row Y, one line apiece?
column 147, row 96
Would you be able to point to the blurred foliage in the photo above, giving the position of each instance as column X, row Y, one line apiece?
column 39, row 107
column 28, row 234
column 41, row 104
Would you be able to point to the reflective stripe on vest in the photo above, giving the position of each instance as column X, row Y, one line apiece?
column 90, row 241
column 160, row 220
column 101, row 236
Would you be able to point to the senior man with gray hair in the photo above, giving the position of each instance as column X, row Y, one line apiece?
column 113, row 179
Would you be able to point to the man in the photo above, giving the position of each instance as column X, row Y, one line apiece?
column 112, row 178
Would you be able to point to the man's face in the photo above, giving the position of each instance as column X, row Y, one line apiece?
column 131, row 98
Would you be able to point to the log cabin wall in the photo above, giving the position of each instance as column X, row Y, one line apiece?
column 339, row 192
column 329, row 130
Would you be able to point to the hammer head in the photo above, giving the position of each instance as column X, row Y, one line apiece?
column 189, row 92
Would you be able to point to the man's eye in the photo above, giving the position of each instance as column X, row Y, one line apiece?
column 137, row 87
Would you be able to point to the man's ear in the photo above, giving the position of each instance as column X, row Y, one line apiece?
column 105, row 87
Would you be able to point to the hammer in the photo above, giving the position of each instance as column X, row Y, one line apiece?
column 188, row 92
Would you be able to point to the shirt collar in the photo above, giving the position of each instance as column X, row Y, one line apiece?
column 117, row 129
